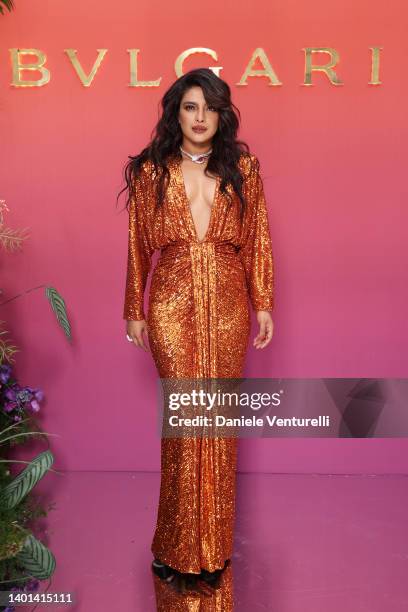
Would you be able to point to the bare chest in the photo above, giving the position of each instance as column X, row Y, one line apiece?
column 200, row 191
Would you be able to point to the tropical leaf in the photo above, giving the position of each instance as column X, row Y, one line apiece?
column 8, row 4
column 16, row 490
column 58, row 305
column 37, row 559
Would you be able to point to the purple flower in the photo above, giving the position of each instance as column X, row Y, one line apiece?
column 22, row 398
column 32, row 585
column 5, row 372
column 11, row 392
column 11, row 395
column 8, row 407
column 29, row 398
column 23, row 395
column 38, row 393
column 35, row 406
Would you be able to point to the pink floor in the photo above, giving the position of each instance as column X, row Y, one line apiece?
column 304, row 543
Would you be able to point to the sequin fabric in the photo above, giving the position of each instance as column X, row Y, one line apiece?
column 198, row 326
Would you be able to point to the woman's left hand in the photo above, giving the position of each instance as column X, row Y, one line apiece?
column 265, row 329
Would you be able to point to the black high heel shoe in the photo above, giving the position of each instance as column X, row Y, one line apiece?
column 186, row 581
column 213, row 578
column 177, row 580
column 163, row 571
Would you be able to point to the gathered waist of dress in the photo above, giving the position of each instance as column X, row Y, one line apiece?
column 180, row 248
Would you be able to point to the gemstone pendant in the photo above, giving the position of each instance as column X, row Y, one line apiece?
column 199, row 159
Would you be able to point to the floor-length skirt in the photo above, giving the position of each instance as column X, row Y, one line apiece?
column 198, row 325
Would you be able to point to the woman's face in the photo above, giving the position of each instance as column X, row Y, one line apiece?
column 194, row 112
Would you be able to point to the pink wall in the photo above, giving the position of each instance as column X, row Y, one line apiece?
column 334, row 165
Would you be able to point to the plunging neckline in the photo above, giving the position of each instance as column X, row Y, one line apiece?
column 188, row 206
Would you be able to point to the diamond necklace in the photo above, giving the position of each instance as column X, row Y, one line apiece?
column 198, row 158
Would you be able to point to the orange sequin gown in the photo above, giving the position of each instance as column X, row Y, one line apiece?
column 198, row 326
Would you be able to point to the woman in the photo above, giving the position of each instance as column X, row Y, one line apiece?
column 196, row 194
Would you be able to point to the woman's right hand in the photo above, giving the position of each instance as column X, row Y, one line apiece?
column 135, row 330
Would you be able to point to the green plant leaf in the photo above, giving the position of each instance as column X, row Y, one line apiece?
column 26, row 433
column 16, row 490
column 37, row 558
column 28, row 463
column 14, row 425
column 58, row 305
column 7, row 3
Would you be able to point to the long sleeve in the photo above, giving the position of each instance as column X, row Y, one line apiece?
column 139, row 254
column 256, row 250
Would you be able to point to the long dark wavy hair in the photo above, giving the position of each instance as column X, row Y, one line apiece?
column 167, row 137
